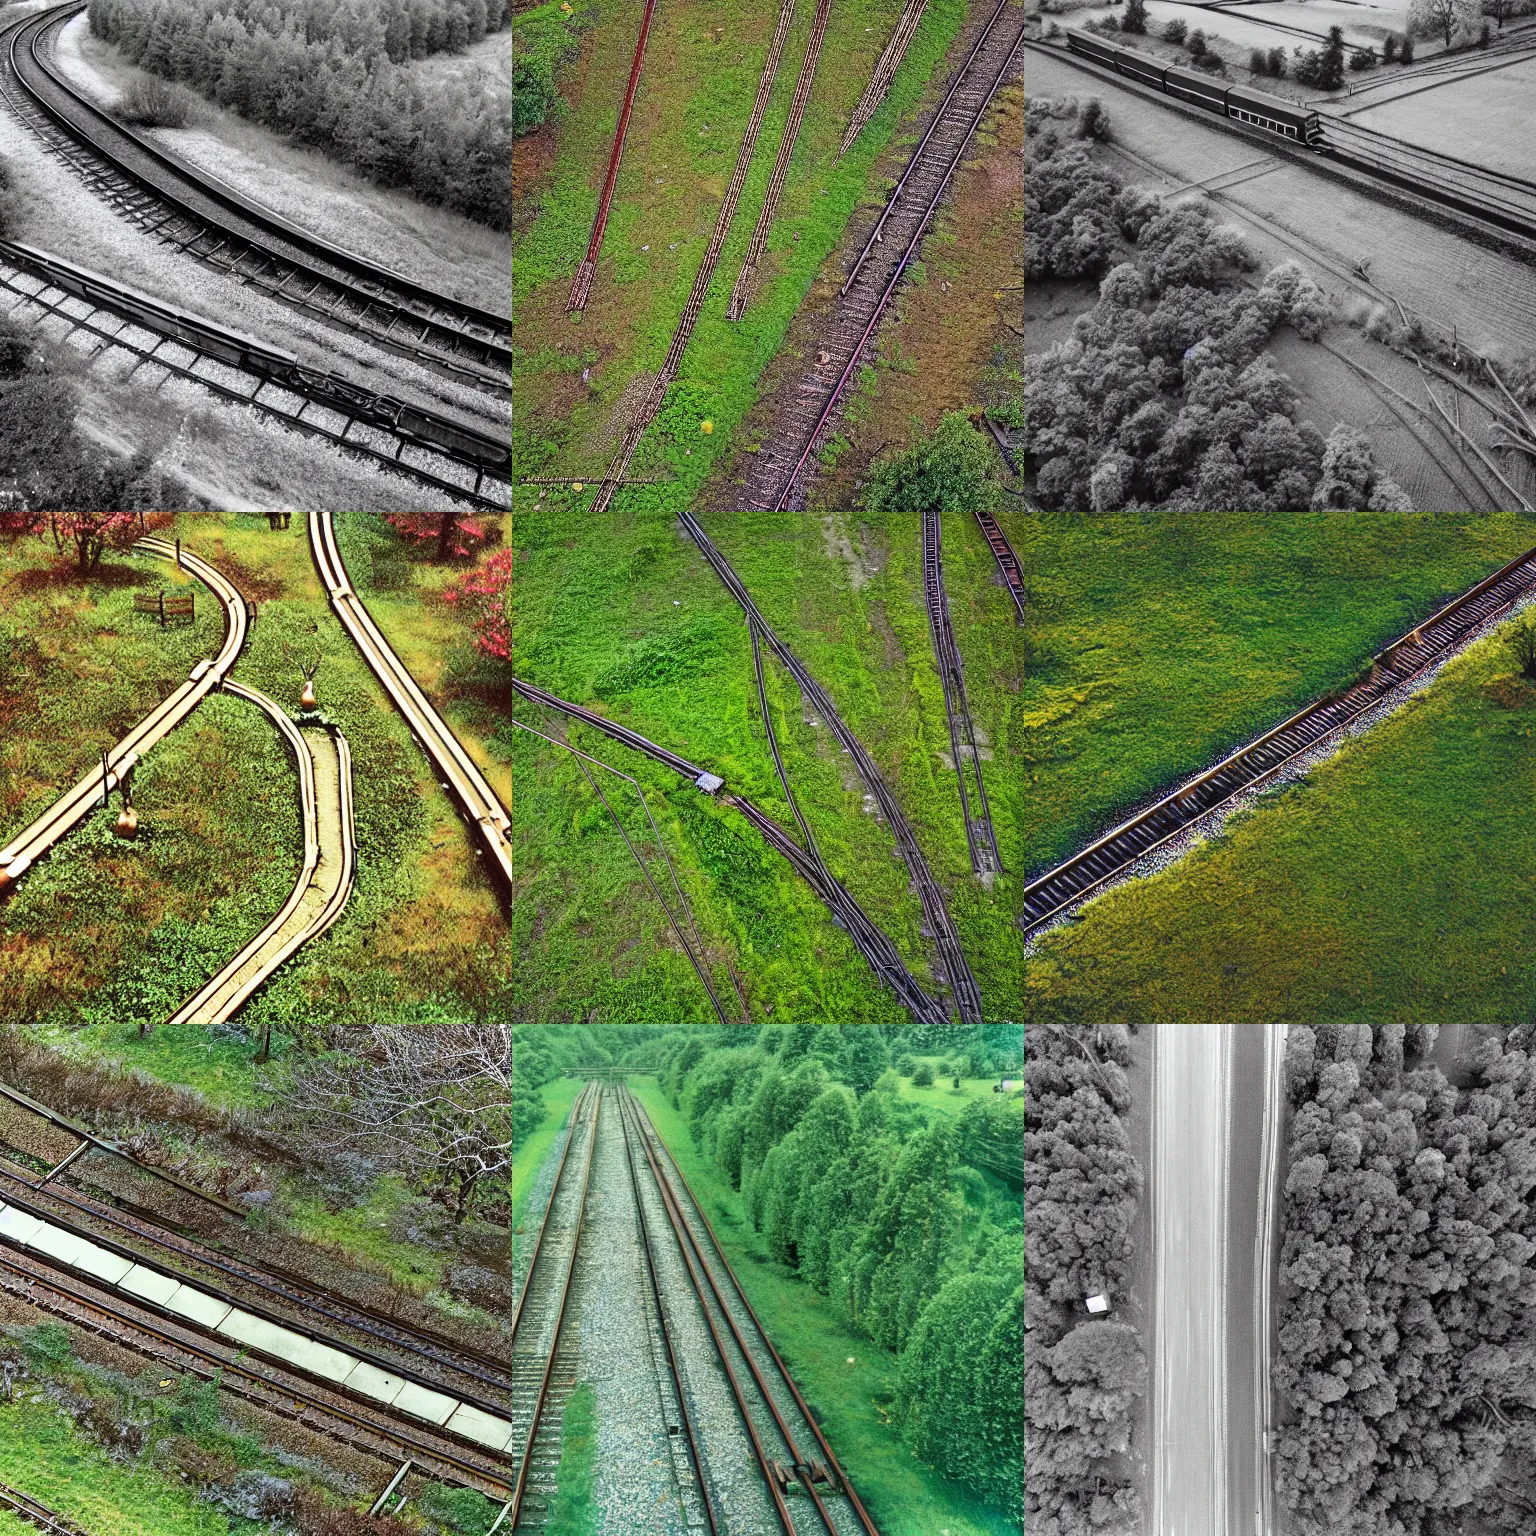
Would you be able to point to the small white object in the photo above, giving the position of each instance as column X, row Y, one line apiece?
column 708, row 782
column 1099, row 1303
column 675, row 603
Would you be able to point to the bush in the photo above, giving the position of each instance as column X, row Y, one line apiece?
column 1362, row 58
column 922, row 1077
column 1092, row 121
column 1196, row 43
column 1258, row 62
column 906, row 1065
column 1210, row 63
column 949, row 471
column 1277, row 63
column 1405, row 55
column 1176, row 31
column 1520, row 638
column 151, row 102
column 1389, row 48
column 1135, row 18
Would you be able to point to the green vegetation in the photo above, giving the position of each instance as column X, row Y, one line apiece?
column 1157, row 644
column 544, row 38
column 1424, row 917
column 557, row 1098
column 363, row 1230
column 949, row 471
column 864, row 1203
column 574, row 1513
column 626, row 620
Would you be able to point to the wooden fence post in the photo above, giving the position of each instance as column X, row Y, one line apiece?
column 178, row 554
column 106, row 794
column 162, row 610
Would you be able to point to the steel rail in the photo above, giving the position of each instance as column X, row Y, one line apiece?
column 985, row 857
column 255, row 1309
column 34, row 1282
column 217, row 221
column 463, row 776
column 679, row 1229
column 845, row 1486
column 440, row 1350
column 27, row 1509
column 876, row 235
column 581, row 287
column 1072, row 881
column 781, row 503
column 520, row 1485
column 18, row 855
column 1007, row 561
column 879, row 83
column 690, row 1435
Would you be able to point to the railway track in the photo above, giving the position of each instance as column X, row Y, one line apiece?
column 543, row 1367
column 459, row 773
column 1007, row 561
column 66, row 813
column 456, row 1366
column 212, row 222
column 30, row 1512
column 775, row 477
column 40, row 1283
column 979, row 834
column 791, row 1452
column 440, row 451
column 883, row 957
column 1061, row 889
column 884, row 72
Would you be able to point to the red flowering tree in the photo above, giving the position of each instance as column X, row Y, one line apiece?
column 453, row 534
column 94, row 532
column 486, row 595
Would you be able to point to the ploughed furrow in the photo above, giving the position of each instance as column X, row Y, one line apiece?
column 775, row 478
column 1070, row 883
column 884, row 72
column 781, row 161
column 705, row 275
column 1007, row 561
column 218, row 225
column 979, row 836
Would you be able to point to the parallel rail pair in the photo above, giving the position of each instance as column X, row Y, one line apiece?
column 1065, row 887
column 31, row 1512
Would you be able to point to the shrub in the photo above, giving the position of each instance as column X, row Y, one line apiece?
column 1210, row 63
column 1093, row 121
column 1405, row 55
column 1277, row 63
column 1135, row 18
column 1309, row 68
column 1362, row 58
column 1258, row 62
column 1176, row 31
column 922, row 1076
column 151, row 102
column 1196, row 43
column 1520, row 638
column 906, row 1064
column 1389, row 48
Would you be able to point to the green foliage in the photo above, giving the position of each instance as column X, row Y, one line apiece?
column 950, row 471
column 543, row 39
column 46, row 1346
column 863, row 1057
column 463, row 1511
column 194, row 1410
column 574, row 1513
column 1520, row 637
column 922, row 1076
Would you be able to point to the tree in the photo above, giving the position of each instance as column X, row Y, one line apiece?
column 1427, row 17
column 922, row 1075
column 487, row 596
column 863, row 1057
column 435, row 1103
column 1331, row 61
column 1520, row 641
column 93, row 532
column 1175, row 31
column 1196, row 43
column 950, row 471
column 1389, row 48
column 451, row 533
column 1277, row 62
column 1135, row 18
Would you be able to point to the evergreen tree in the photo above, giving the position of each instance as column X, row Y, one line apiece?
column 863, row 1057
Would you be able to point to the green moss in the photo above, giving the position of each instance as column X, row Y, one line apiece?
column 558, row 1096
column 1394, row 882
column 574, row 1513
column 850, row 1397
column 364, row 1230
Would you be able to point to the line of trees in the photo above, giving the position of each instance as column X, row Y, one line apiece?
column 332, row 75
column 874, row 1208
column 1408, row 1315
column 1081, row 1185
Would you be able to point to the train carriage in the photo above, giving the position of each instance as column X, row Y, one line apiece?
column 1143, row 67
column 1092, row 47
column 1264, row 111
column 1204, row 91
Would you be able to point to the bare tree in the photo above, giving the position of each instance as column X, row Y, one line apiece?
column 433, row 1103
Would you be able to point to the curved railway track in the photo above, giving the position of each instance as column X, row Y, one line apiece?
column 17, row 856
column 775, row 477
column 459, row 773
column 979, row 834
column 478, row 1371
column 209, row 220
column 876, row 947
column 30, row 1512
column 538, row 1323
column 787, row 1442
column 1061, row 889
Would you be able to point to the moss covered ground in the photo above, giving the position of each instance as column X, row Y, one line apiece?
column 1154, row 644
column 701, row 73
column 846, row 1380
column 1393, row 883
column 628, row 620
column 558, row 1097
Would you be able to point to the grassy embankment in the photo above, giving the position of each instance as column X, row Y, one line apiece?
column 558, row 1097
column 629, row 621
column 851, row 1401
column 943, row 1097
column 1394, row 883
column 701, row 73
column 574, row 1513
column 103, row 935
column 1156, row 644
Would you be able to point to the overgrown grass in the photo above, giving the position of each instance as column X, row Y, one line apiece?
column 574, row 1513
column 1155, row 644
column 943, row 1096
column 364, row 1229
column 851, row 1401
column 628, row 619
column 1395, row 882
column 558, row 1097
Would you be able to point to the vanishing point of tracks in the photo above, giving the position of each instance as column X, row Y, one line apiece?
column 1070, row 883
column 807, row 1488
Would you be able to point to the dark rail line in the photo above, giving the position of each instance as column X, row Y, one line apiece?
column 979, row 834
column 28, row 1510
column 1072, row 882
column 1007, row 561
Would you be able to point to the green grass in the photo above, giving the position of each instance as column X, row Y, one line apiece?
column 1155, row 644
column 943, row 1096
column 574, row 1513
column 850, row 1400
column 1394, row 883
column 363, row 1230
column 629, row 621
column 558, row 1096
column 43, row 1454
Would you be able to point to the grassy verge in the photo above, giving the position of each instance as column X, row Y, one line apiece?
column 1155, row 643
column 574, row 1513
column 364, row 1230
column 943, row 1096
column 558, row 1097
column 845, row 1378
column 1394, row 882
